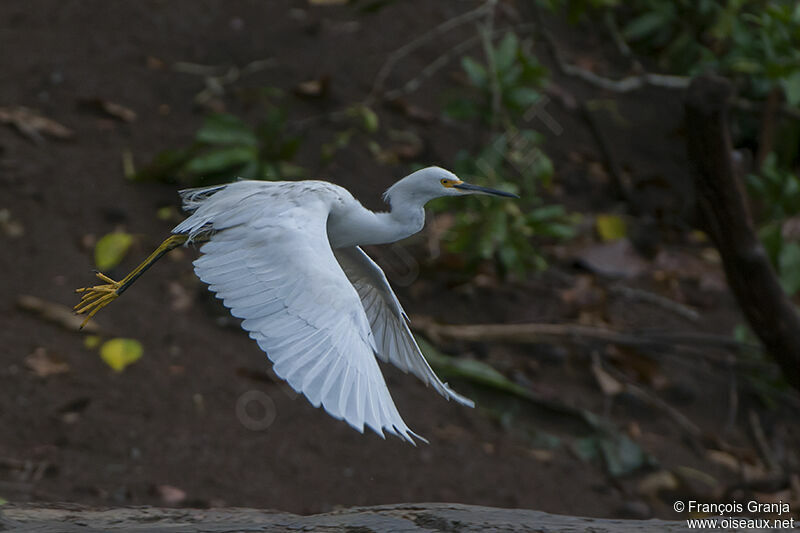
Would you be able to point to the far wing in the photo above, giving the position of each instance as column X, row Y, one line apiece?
column 396, row 344
column 278, row 273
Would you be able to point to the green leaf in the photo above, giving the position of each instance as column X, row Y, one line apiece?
column 366, row 116
column 523, row 97
column 475, row 72
column 745, row 65
column 119, row 353
column 110, row 250
column 743, row 334
column 789, row 267
column 506, row 52
column 221, row 159
column 462, row 109
column 562, row 232
column 226, row 129
column 470, row 369
column 511, row 76
column 791, row 85
column 772, row 239
column 370, row 119
column 644, row 25
column 546, row 212
column 509, row 257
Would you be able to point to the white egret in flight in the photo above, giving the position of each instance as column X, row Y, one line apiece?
column 286, row 258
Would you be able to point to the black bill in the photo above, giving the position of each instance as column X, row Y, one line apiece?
column 477, row 189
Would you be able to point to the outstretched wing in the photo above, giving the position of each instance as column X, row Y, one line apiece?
column 270, row 262
column 388, row 321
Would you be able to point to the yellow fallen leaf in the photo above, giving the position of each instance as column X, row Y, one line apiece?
column 119, row 353
column 111, row 249
column 610, row 227
column 92, row 341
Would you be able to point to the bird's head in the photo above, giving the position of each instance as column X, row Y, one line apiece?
column 435, row 182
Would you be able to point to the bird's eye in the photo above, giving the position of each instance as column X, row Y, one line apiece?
column 445, row 181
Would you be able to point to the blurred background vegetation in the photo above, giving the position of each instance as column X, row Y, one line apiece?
column 628, row 355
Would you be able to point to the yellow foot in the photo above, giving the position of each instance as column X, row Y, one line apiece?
column 97, row 297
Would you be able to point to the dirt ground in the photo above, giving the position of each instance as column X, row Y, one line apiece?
column 166, row 430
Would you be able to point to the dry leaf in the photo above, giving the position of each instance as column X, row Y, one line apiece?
column 616, row 259
column 698, row 482
column 583, row 293
column 9, row 226
column 451, row 432
column 45, row 364
column 608, row 384
column 56, row 313
column 155, row 63
column 544, row 456
column 170, row 495
column 128, row 166
column 748, row 470
column 412, row 111
column 33, row 125
column 637, row 365
column 682, row 264
column 111, row 108
column 790, row 229
column 182, row 299
column 317, row 88
column 663, row 480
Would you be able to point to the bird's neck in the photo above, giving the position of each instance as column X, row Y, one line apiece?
column 364, row 227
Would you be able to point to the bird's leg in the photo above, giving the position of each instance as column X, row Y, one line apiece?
column 99, row 296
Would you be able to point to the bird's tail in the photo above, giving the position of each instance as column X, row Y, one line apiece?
column 199, row 223
column 192, row 198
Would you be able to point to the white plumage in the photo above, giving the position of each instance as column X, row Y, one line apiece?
column 285, row 258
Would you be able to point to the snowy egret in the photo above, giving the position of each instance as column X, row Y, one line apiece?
column 286, row 258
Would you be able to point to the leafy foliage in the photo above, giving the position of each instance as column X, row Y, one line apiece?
column 598, row 440
column 778, row 192
column 486, row 229
column 517, row 77
column 513, row 160
column 226, row 147
column 756, row 42
column 359, row 119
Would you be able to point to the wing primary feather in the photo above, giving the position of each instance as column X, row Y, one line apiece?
column 269, row 260
column 388, row 320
